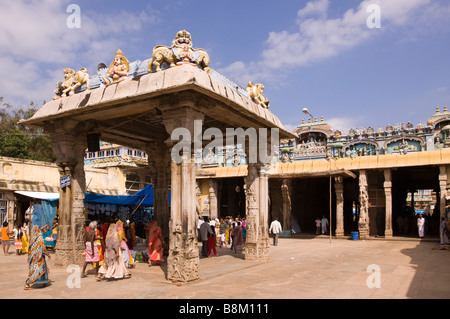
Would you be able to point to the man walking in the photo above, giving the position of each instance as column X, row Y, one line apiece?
column 276, row 229
column 205, row 229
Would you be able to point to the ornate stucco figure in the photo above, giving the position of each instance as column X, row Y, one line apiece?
column 72, row 80
column 118, row 69
column 181, row 52
column 256, row 91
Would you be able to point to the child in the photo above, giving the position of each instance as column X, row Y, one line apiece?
column 212, row 243
column 5, row 238
column 18, row 239
column 25, row 238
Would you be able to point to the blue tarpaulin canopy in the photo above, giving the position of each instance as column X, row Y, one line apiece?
column 143, row 197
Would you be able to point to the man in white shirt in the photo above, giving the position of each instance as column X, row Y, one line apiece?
column 276, row 229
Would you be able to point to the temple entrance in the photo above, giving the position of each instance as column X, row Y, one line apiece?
column 415, row 192
column 351, row 199
column 232, row 197
column 311, row 200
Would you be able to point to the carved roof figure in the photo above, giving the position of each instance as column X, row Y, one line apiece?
column 181, row 52
column 118, row 69
column 256, row 93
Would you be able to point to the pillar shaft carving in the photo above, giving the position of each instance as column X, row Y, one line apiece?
column 363, row 224
column 256, row 191
column 213, row 201
column 159, row 168
column 339, row 189
column 183, row 260
column 388, row 233
column 70, row 150
column 286, row 192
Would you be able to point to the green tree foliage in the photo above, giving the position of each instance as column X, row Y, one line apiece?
column 21, row 141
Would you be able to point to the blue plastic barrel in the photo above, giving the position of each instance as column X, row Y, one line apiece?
column 355, row 235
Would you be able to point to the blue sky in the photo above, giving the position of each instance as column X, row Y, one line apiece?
column 318, row 54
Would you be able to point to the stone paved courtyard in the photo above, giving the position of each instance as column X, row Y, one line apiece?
column 300, row 268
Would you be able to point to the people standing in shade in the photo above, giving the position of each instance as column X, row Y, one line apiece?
column 205, row 231
column 244, row 230
column 212, row 242
column 25, row 238
column 55, row 230
column 421, row 226
column 325, row 224
column 6, row 243
column 99, row 242
column 223, row 232
column 18, row 239
column 124, row 250
column 155, row 244
column 113, row 266
column 275, row 229
column 318, row 223
column 91, row 249
column 238, row 240
column 38, row 272
column 443, row 230
column 49, row 241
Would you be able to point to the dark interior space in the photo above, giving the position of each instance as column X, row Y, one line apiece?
column 232, row 197
column 311, row 200
column 410, row 179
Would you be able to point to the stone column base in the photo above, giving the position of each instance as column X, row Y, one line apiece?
column 257, row 252
column 339, row 234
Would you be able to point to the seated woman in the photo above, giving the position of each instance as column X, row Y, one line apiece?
column 49, row 241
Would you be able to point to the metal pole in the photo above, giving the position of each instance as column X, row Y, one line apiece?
column 330, row 207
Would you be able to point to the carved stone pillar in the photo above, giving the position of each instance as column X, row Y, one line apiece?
column 443, row 190
column 256, row 192
column 213, row 202
column 339, row 189
column 159, row 165
column 388, row 198
column 363, row 224
column 286, row 191
column 264, row 250
column 70, row 150
column 183, row 260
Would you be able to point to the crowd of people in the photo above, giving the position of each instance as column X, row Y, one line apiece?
column 109, row 245
column 223, row 233
column 108, row 248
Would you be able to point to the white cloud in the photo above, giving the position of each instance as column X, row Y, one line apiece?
column 35, row 33
column 290, row 127
column 320, row 37
column 343, row 124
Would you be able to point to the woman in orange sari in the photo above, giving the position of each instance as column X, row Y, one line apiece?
column 155, row 244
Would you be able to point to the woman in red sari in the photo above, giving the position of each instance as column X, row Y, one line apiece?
column 155, row 244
